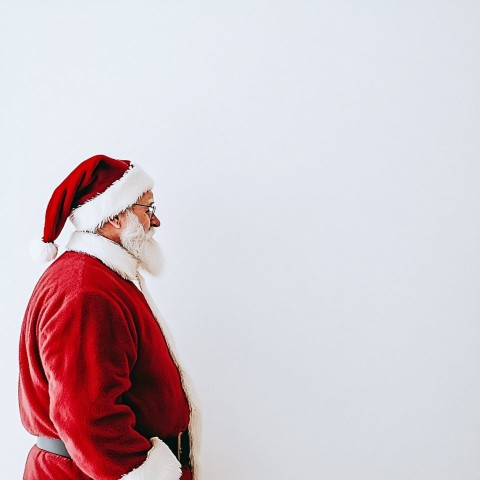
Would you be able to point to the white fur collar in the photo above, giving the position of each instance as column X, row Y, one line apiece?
column 107, row 251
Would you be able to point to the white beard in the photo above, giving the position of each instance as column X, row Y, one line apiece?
column 141, row 244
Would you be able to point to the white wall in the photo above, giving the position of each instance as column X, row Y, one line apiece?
column 318, row 182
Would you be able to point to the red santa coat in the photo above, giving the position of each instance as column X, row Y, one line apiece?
column 97, row 371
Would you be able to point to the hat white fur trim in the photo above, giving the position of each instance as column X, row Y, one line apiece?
column 117, row 197
column 161, row 464
column 43, row 252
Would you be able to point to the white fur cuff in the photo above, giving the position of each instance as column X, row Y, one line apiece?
column 160, row 464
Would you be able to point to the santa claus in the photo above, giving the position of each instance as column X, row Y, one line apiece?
column 100, row 383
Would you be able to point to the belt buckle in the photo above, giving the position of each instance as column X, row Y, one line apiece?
column 179, row 446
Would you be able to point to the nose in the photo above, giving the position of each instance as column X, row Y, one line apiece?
column 154, row 221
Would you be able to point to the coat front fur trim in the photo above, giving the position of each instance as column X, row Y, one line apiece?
column 115, row 199
column 195, row 425
column 160, row 464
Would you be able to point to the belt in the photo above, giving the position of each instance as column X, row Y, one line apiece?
column 53, row 445
column 179, row 445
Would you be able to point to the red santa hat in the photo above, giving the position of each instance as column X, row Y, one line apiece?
column 97, row 190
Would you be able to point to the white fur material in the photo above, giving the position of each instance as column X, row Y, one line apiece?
column 116, row 198
column 43, row 252
column 121, row 261
column 110, row 253
column 160, row 464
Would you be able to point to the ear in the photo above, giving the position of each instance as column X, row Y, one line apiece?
column 115, row 222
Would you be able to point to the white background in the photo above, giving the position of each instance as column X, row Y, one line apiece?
column 318, row 185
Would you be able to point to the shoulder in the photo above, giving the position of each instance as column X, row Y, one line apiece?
column 79, row 292
column 74, row 271
column 78, row 279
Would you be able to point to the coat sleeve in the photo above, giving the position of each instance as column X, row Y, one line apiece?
column 88, row 348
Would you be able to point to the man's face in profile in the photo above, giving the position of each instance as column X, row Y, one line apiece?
column 136, row 235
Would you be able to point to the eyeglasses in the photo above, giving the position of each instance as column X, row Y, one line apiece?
column 151, row 208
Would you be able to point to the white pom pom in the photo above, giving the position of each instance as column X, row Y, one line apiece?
column 43, row 252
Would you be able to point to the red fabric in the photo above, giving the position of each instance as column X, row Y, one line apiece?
column 91, row 178
column 95, row 371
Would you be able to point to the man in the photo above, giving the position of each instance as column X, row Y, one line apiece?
column 100, row 384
